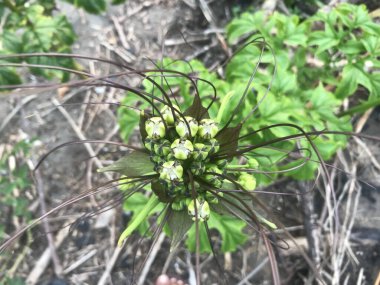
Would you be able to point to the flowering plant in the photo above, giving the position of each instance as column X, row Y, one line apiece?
column 194, row 163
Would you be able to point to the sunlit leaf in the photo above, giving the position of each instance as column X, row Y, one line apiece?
column 133, row 164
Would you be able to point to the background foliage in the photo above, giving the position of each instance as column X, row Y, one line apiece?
column 36, row 27
column 320, row 62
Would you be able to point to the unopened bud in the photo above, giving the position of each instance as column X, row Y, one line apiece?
column 247, row 181
column 182, row 149
column 200, row 152
column 162, row 147
column 171, row 171
column 186, row 130
column 213, row 176
column 197, row 168
column 203, row 210
column 213, row 199
column 167, row 113
column 155, row 128
column 179, row 204
column 253, row 163
column 149, row 143
column 212, row 146
column 221, row 163
column 207, row 129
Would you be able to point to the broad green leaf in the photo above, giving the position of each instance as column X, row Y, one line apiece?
column 203, row 239
column 128, row 120
column 349, row 81
column 11, row 42
column 351, row 47
column 46, row 32
column 323, row 41
column 133, row 164
column 245, row 24
column 117, row 2
column 179, row 223
column 354, row 74
column 9, row 77
column 284, row 82
column 230, row 229
column 139, row 218
column 91, row 6
column 136, row 204
column 372, row 44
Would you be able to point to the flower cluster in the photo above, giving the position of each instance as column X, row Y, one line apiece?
column 181, row 148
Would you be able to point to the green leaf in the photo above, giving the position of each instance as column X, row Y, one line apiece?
column 349, row 82
column 230, row 229
column 136, row 204
column 46, row 32
column 9, row 77
column 246, row 23
column 11, row 42
column 351, row 47
column 134, row 164
column 139, row 218
column 323, row 40
column 12, row 280
column 203, row 239
column 179, row 223
column 128, row 119
column 284, row 82
column 117, row 2
column 90, row 6
column 354, row 74
column 372, row 44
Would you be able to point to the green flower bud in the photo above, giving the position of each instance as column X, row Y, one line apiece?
column 247, row 181
column 167, row 114
column 162, row 147
column 253, row 163
column 213, row 178
column 213, row 199
column 221, row 163
column 200, row 152
column 183, row 129
column 203, row 210
column 174, row 188
column 212, row 146
column 157, row 159
column 207, row 129
column 197, row 168
column 179, row 204
column 182, row 149
column 171, row 171
column 149, row 143
column 155, row 128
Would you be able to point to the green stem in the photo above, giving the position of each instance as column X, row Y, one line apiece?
column 234, row 166
column 139, row 218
